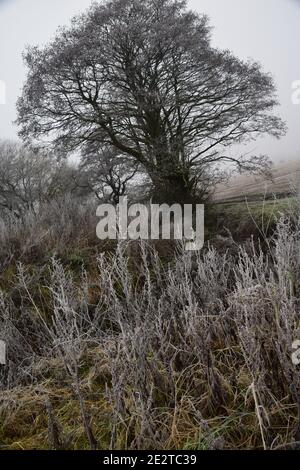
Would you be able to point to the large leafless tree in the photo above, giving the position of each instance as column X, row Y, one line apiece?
column 143, row 77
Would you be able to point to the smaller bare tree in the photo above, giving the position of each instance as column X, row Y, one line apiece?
column 29, row 178
column 107, row 173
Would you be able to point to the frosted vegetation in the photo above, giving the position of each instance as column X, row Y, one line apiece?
column 134, row 348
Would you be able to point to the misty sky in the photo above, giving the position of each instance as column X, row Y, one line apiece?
column 265, row 30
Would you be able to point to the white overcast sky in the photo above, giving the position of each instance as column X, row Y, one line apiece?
column 265, row 30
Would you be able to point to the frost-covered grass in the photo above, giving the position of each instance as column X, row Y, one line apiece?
column 132, row 350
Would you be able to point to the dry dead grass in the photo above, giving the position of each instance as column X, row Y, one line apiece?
column 140, row 353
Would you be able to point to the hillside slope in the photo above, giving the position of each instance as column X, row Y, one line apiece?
column 285, row 180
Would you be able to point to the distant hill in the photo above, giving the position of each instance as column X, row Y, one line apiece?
column 285, row 181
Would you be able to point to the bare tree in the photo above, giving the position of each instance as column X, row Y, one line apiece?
column 107, row 173
column 29, row 178
column 24, row 178
column 142, row 76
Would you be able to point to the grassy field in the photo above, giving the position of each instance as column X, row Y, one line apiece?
column 244, row 218
column 251, row 205
column 285, row 181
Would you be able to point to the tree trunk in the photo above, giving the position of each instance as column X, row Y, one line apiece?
column 172, row 187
